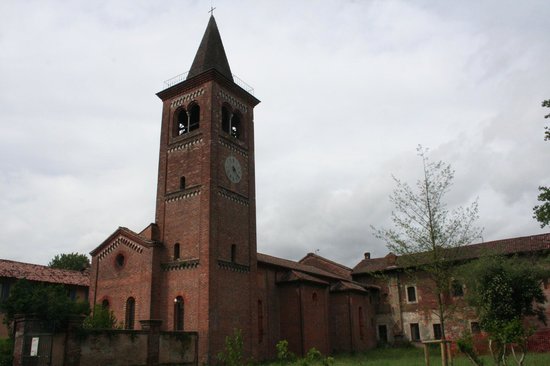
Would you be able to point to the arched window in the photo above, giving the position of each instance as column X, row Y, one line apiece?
column 105, row 304
column 130, row 313
column 314, row 297
column 177, row 251
column 187, row 121
column 182, row 182
column 361, row 323
column 233, row 253
column 260, row 322
column 178, row 313
column 226, row 116
column 231, row 123
column 182, row 122
column 194, row 118
column 235, row 130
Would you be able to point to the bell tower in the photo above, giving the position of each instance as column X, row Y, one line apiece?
column 205, row 207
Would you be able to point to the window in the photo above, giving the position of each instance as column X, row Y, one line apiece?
column 119, row 261
column 187, row 122
column 411, row 294
column 474, row 326
column 231, row 123
column 130, row 313
column 105, row 304
column 314, row 297
column 182, row 122
column 235, row 130
column 383, row 333
column 437, row 331
column 415, row 332
column 178, row 313
column 361, row 323
column 182, row 183
column 260, row 322
column 72, row 294
column 194, row 118
column 4, row 291
column 233, row 253
column 177, row 251
column 457, row 290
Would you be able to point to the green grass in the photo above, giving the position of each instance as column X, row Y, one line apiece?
column 412, row 356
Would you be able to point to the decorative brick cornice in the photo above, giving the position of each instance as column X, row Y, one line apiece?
column 184, row 145
column 180, row 265
column 184, row 194
column 222, row 94
column 232, row 266
column 233, row 146
column 186, row 98
column 120, row 240
column 232, row 196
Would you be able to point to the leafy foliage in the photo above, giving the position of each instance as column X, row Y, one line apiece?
column 542, row 212
column 45, row 301
column 232, row 354
column 425, row 232
column 465, row 345
column 284, row 356
column 546, row 103
column 100, row 318
column 6, row 352
column 504, row 291
column 73, row 261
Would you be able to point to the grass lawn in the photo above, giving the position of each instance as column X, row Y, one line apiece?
column 415, row 357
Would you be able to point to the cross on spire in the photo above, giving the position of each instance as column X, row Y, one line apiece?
column 211, row 11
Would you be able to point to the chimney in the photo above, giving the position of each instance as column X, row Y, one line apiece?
column 367, row 255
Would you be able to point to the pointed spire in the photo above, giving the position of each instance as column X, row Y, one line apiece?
column 211, row 54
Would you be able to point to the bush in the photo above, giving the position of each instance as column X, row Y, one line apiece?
column 101, row 318
column 6, row 352
column 232, row 354
column 284, row 356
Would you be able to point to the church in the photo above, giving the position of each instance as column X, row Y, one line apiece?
column 197, row 269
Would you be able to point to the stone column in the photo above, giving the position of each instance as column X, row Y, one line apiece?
column 152, row 327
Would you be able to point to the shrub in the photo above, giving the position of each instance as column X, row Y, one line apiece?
column 232, row 355
column 284, row 356
column 6, row 352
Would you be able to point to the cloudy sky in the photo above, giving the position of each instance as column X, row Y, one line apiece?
column 348, row 90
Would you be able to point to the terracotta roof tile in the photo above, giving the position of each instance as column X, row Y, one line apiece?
column 296, row 276
column 36, row 272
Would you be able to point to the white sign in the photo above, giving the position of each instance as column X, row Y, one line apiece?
column 34, row 346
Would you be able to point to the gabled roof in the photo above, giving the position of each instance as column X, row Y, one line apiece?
column 39, row 273
column 288, row 264
column 521, row 245
column 211, row 54
column 296, row 276
column 323, row 263
column 344, row 286
column 139, row 239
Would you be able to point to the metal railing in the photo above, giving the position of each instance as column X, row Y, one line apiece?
column 181, row 77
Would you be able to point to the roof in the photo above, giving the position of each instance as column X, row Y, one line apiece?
column 140, row 239
column 342, row 286
column 296, row 276
column 525, row 244
column 326, row 264
column 211, row 54
column 288, row 264
column 39, row 273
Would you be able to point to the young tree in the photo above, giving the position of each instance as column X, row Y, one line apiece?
column 426, row 234
column 542, row 211
column 73, row 261
column 504, row 291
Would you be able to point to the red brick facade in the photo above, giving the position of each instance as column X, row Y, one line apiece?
column 197, row 269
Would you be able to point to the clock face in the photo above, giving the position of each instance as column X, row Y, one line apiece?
column 233, row 169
